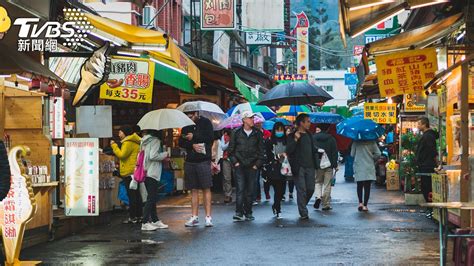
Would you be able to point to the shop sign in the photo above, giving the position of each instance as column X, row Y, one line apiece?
column 302, row 34
column 82, row 176
column 412, row 102
column 290, row 77
column 381, row 113
column 56, row 117
column 258, row 38
column 218, row 14
column 405, row 72
column 438, row 190
column 130, row 80
column 35, row 35
column 350, row 79
column 383, row 30
column 16, row 209
column 221, row 48
column 253, row 18
column 442, row 99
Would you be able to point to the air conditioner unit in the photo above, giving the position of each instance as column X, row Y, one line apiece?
column 149, row 13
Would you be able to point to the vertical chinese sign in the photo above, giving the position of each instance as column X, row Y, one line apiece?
column 130, row 80
column 82, row 176
column 16, row 209
column 56, row 117
column 405, row 72
column 381, row 113
column 218, row 14
column 302, row 48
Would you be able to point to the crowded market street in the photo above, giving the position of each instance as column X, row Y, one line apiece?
column 390, row 233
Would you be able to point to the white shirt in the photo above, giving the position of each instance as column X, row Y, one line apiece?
column 248, row 132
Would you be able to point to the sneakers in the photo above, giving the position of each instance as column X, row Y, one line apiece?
column 317, row 203
column 159, row 225
column 278, row 216
column 238, row 217
column 328, row 208
column 255, row 203
column 149, row 227
column 209, row 221
column 249, row 217
column 306, row 217
column 192, row 222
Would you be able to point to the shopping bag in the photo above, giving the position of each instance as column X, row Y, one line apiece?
column 143, row 192
column 324, row 163
column 140, row 173
column 133, row 184
column 122, row 193
column 286, row 168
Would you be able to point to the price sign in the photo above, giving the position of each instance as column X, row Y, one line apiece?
column 381, row 113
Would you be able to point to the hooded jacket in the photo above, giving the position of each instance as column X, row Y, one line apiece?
column 127, row 154
column 328, row 143
column 153, row 156
column 5, row 174
column 426, row 151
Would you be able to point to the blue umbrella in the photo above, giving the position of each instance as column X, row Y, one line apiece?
column 325, row 118
column 284, row 121
column 357, row 128
column 268, row 125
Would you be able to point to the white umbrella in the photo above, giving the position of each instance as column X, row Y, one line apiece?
column 209, row 110
column 164, row 119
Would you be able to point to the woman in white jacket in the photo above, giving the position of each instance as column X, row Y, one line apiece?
column 154, row 155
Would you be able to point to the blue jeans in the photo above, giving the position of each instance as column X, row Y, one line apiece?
column 245, row 178
column 152, row 188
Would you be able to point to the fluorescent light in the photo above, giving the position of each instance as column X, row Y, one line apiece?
column 360, row 31
column 23, row 78
column 104, row 38
column 428, row 4
column 5, row 76
column 371, row 5
column 149, row 48
column 389, row 101
column 86, row 47
column 90, row 43
column 460, row 36
column 168, row 66
column 128, row 53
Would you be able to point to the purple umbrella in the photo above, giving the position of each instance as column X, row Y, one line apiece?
column 235, row 121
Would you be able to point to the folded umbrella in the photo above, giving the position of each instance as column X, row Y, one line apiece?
column 253, row 107
column 164, row 119
column 325, row 118
column 206, row 109
column 295, row 93
column 235, row 121
column 357, row 128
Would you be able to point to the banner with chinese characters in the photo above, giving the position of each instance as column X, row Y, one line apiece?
column 302, row 34
column 82, row 176
column 415, row 102
column 405, row 72
column 218, row 14
column 258, row 38
column 290, row 78
column 56, row 117
column 381, row 113
column 130, row 80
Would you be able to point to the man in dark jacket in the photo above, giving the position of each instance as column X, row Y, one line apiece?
column 5, row 174
column 197, row 140
column 325, row 143
column 303, row 160
column 426, row 153
column 246, row 152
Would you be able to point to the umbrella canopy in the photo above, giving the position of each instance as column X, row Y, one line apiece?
column 265, row 111
column 164, row 119
column 325, row 118
column 293, row 110
column 357, row 128
column 235, row 121
column 209, row 110
column 295, row 93
column 268, row 125
column 284, row 121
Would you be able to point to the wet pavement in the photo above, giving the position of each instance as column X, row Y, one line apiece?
column 390, row 233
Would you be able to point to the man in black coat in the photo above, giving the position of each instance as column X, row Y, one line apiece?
column 5, row 174
column 246, row 152
column 426, row 153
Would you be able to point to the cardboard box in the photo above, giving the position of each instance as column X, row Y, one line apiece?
column 393, row 180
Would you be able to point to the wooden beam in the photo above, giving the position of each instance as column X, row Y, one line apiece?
column 465, row 183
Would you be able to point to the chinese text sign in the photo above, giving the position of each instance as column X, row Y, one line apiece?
column 405, row 72
column 218, row 14
column 130, row 80
column 381, row 113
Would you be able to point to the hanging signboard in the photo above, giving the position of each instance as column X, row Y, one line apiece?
column 290, row 77
column 383, row 30
column 442, row 98
column 254, row 20
column 381, row 113
column 56, row 117
column 258, row 38
column 350, row 79
column 221, row 48
column 130, row 80
column 405, row 72
column 303, row 50
column 415, row 102
column 82, row 176
column 218, row 14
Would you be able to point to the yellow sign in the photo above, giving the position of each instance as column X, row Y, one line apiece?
column 302, row 35
column 381, row 113
column 130, row 80
column 405, row 72
column 438, row 190
column 185, row 63
column 442, row 98
column 16, row 209
column 412, row 102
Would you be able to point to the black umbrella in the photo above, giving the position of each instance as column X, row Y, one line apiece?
column 295, row 93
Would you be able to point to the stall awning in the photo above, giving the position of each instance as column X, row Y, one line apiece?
column 173, row 77
column 417, row 38
column 214, row 74
column 244, row 89
column 358, row 16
